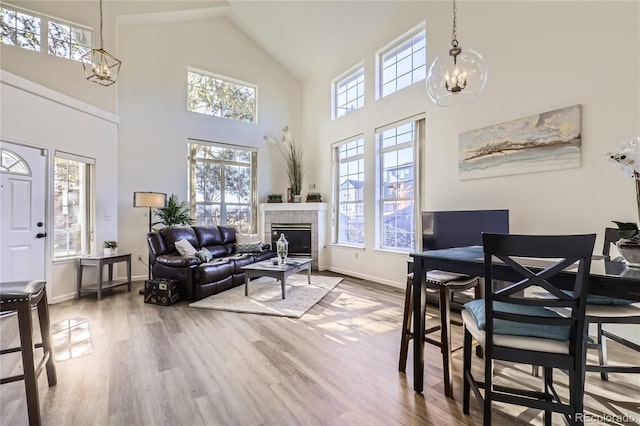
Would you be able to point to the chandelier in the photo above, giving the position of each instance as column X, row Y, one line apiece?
column 100, row 66
column 453, row 83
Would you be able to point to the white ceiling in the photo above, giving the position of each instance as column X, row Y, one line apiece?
column 300, row 35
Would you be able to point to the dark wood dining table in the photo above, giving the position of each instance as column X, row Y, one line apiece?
column 608, row 278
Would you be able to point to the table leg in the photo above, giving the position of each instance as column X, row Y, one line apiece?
column 309, row 274
column 282, row 281
column 100, row 268
column 129, row 273
column 110, row 271
column 246, row 283
column 419, row 307
column 79, row 277
column 445, row 341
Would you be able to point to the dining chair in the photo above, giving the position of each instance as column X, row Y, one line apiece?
column 606, row 310
column 20, row 297
column 532, row 321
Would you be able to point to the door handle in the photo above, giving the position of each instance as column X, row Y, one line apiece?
column 41, row 234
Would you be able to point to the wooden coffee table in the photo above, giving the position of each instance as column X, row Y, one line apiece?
column 266, row 268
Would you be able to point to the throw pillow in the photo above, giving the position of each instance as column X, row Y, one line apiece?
column 476, row 307
column 204, row 255
column 248, row 247
column 185, row 248
column 247, row 238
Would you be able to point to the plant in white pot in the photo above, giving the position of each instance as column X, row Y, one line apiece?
column 628, row 159
column 110, row 247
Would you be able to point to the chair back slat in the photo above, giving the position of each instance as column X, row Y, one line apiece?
column 539, row 287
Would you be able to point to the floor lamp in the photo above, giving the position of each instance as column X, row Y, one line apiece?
column 150, row 200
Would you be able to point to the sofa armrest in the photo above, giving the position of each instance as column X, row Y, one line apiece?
column 174, row 261
column 266, row 247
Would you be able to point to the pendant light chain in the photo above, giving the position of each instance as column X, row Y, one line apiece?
column 101, row 42
column 454, row 32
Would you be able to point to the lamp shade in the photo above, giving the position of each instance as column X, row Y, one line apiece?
column 149, row 199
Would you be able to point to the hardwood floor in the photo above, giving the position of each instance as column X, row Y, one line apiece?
column 337, row 365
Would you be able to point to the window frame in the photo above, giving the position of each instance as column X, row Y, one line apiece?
column 15, row 30
column 356, row 72
column 253, row 195
column 417, row 141
column 409, row 36
column 72, row 26
column 86, row 212
column 336, row 204
column 228, row 80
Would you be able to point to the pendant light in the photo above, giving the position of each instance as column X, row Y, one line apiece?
column 459, row 77
column 100, row 66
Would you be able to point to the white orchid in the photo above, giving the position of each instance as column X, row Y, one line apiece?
column 293, row 158
column 628, row 157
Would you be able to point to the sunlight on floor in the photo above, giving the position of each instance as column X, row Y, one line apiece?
column 71, row 338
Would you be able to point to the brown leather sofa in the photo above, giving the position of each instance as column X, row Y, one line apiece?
column 195, row 278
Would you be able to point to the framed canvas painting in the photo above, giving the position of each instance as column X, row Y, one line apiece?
column 541, row 142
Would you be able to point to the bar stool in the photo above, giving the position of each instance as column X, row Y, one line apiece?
column 445, row 283
column 20, row 297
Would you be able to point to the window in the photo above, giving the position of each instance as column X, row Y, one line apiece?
column 67, row 41
column 71, row 205
column 13, row 163
column 397, row 177
column 20, row 29
column 348, row 93
column 222, row 190
column 402, row 64
column 220, row 96
column 349, row 177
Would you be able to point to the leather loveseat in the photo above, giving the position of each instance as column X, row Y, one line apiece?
column 198, row 279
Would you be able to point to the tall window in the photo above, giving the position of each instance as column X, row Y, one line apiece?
column 397, row 187
column 20, row 29
column 71, row 205
column 349, row 180
column 222, row 190
column 67, row 41
column 402, row 63
column 219, row 96
column 348, row 92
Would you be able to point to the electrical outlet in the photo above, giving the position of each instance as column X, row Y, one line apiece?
column 140, row 258
column 107, row 217
column 356, row 254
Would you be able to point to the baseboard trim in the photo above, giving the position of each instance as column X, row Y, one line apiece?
column 369, row 277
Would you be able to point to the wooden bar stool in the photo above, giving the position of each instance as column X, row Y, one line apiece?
column 20, row 297
column 445, row 283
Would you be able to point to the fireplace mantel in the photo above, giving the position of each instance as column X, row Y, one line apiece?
column 313, row 213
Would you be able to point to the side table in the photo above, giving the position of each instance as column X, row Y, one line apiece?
column 99, row 262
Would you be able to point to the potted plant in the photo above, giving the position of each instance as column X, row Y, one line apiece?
column 628, row 159
column 314, row 197
column 110, row 247
column 292, row 154
column 274, row 198
column 174, row 213
column 629, row 243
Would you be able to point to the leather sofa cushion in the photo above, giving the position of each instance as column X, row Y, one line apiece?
column 217, row 251
column 177, row 261
column 228, row 234
column 211, row 273
column 208, row 236
column 172, row 234
column 259, row 257
column 241, row 261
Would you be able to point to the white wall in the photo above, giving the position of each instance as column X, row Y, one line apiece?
column 37, row 116
column 542, row 56
column 155, row 125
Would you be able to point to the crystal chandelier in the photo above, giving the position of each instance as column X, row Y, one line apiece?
column 457, row 82
column 100, row 66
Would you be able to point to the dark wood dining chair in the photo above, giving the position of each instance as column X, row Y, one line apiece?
column 604, row 310
column 21, row 297
column 519, row 324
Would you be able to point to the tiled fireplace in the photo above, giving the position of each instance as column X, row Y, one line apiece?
column 299, row 213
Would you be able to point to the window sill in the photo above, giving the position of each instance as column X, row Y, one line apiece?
column 347, row 246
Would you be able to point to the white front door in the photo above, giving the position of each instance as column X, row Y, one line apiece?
column 22, row 213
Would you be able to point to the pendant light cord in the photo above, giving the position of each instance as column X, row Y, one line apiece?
column 454, row 32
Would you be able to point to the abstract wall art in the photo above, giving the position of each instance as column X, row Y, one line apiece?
column 541, row 142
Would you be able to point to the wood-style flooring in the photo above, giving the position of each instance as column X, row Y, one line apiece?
column 337, row 365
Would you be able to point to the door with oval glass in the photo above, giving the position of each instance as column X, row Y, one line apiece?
column 22, row 212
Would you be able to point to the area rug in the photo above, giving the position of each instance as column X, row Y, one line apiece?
column 265, row 296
